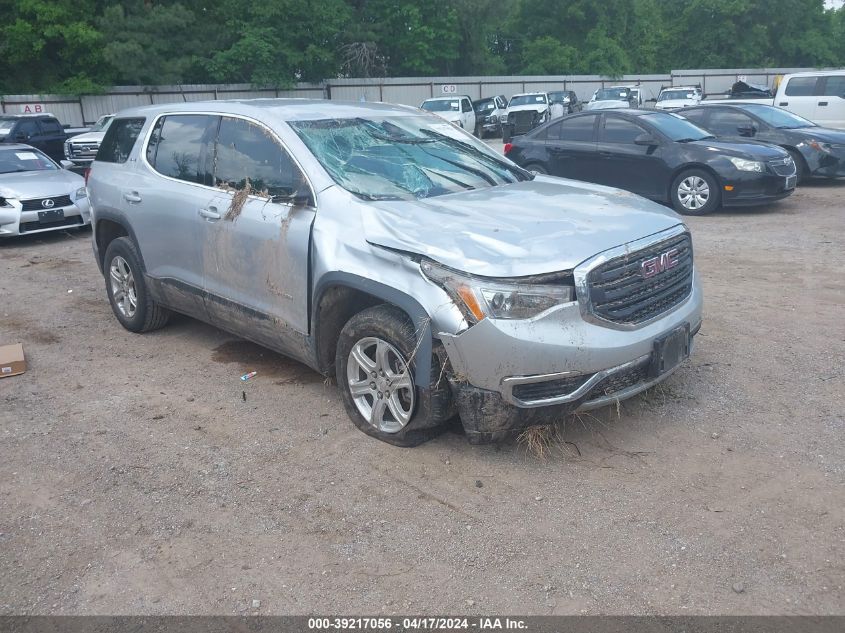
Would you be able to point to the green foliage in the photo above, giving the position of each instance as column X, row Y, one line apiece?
column 80, row 46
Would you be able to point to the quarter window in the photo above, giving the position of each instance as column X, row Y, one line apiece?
column 27, row 129
column 179, row 146
column 248, row 150
column 118, row 142
column 801, row 86
column 619, row 131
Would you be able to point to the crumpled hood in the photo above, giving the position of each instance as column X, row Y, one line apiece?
column 39, row 184
column 674, row 103
column 88, row 137
column 607, row 104
column 527, row 228
column 823, row 134
column 533, row 107
column 453, row 116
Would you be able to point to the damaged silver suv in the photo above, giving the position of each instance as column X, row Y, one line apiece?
column 379, row 244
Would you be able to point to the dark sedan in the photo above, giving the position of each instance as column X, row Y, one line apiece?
column 657, row 155
column 817, row 151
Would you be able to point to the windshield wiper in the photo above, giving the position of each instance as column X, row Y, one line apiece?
column 520, row 173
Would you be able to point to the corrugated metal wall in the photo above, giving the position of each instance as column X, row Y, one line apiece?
column 404, row 90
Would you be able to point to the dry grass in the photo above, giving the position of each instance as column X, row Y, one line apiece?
column 238, row 201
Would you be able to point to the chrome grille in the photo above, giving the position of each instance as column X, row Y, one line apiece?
column 36, row 205
column 619, row 292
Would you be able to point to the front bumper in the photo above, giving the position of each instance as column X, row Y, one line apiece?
column 829, row 165
column 488, row 416
column 14, row 221
column 753, row 188
column 569, row 363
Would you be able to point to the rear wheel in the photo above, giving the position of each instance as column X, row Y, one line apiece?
column 534, row 168
column 695, row 192
column 375, row 368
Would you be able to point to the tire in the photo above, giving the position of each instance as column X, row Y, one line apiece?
column 534, row 168
column 124, row 276
column 695, row 192
column 800, row 165
column 408, row 416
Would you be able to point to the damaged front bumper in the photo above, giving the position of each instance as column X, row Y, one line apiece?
column 507, row 376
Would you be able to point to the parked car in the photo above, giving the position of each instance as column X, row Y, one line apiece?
column 426, row 272
column 457, row 110
column 41, row 131
column 568, row 99
column 658, row 155
column 490, row 113
column 82, row 148
column 678, row 97
column 818, row 96
column 38, row 195
column 525, row 112
column 816, row 151
column 615, row 97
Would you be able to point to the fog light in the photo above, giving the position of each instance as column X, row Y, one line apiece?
column 729, row 187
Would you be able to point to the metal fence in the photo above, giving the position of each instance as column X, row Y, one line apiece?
column 84, row 110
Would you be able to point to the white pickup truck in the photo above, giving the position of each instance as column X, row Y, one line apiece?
column 815, row 95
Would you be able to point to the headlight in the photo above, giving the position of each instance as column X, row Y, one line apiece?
column 4, row 202
column 67, row 148
column 827, row 148
column 480, row 297
column 80, row 193
column 746, row 165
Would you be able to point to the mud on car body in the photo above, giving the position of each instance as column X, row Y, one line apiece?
column 380, row 245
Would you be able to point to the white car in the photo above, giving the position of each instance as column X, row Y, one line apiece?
column 82, row 148
column 531, row 101
column 615, row 97
column 678, row 97
column 457, row 110
column 37, row 195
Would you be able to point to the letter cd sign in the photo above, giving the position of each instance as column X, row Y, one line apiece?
column 448, row 89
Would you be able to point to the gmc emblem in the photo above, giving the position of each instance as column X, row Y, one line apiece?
column 650, row 267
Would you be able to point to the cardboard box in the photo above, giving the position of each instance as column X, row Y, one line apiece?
column 12, row 361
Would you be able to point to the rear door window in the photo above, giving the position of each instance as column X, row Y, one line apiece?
column 247, row 150
column 576, row 129
column 726, row 122
column 180, row 145
column 834, row 86
column 616, row 130
column 27, row 129
column 801, row 86
column 696, row 116
column 119, row 140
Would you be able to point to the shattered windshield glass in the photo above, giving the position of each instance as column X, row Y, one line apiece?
column 404, row 157
column 669, row 95
column 518, row 100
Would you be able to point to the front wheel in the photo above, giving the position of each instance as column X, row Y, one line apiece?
column 695, row 192
column 801, row 168
column 534, row 168
column 375, row 368
column 128, row 294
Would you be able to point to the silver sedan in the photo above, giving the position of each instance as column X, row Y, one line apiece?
column 37, row 194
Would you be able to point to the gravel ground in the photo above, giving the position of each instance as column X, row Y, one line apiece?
column 135, row 478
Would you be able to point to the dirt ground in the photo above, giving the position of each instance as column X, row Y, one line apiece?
column 135, row 478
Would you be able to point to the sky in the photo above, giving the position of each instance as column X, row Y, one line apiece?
column 835, row 4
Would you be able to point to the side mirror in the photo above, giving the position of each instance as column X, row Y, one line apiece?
column 747, row 130
column 645, row 139
column 295, row 197
column 66, row 164
column 20, row 136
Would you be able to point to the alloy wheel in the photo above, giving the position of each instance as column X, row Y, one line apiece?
column 381, row 384
column 123, row 287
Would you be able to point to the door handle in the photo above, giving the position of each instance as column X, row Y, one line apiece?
column 784, row 103
column 822, row 103
column 209, row 214
column 133, row 197
column 606, row 154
